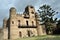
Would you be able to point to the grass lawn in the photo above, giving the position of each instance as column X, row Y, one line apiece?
column 45, row 37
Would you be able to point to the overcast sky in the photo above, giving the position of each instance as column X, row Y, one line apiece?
column 5, row 5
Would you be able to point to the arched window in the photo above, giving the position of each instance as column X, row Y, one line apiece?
column 20, row 34
column 27, row 23
column 28, row 33
column 32, row 12
column 18, row 20
column 12, row 22
column 31, row 7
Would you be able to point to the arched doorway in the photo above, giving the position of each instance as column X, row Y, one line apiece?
column 20, row 34
column 28, row 33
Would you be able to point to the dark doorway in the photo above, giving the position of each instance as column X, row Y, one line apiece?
column 20, row 34
column 27, row 23
column 9, row 33
column 28, row 33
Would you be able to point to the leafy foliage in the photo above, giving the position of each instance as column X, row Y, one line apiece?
column 46, row 15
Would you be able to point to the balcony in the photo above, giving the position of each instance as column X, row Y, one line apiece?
column 28, row 26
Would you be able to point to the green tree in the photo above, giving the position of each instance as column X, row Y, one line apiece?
column 46, row 15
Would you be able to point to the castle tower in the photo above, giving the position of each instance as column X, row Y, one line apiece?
column 13, row 24
column 30, row 11
column 12, row 12
column 30, row 14
column 34, row 16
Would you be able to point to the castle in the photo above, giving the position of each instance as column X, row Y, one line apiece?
column 22, row 25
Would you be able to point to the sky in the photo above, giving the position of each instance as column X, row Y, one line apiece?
column 20, row 5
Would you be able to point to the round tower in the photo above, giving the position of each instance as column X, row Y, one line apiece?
column 13, row 24
column 12, row 12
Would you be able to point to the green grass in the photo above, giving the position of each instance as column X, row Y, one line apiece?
column 45, row 37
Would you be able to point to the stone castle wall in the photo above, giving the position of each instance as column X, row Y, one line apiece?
column 22, row 25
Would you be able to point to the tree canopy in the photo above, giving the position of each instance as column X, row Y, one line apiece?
column 46, row 14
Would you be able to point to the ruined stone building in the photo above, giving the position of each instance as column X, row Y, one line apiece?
column 22, row 25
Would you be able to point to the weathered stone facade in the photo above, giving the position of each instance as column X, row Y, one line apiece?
column 22, row 25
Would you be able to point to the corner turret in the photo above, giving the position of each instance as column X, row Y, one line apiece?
column 12, row 11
